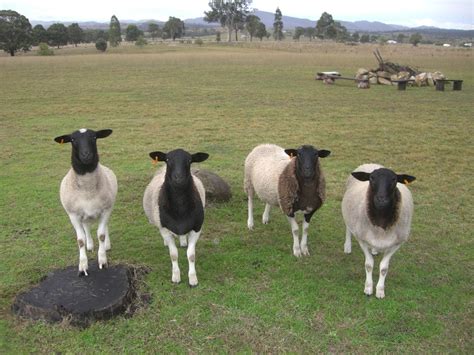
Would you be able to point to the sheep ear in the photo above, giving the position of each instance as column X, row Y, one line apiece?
column 405, row 179
column 103, row 133
column 323, row 153
column 63, row 139
column 158, row 156
column 361, row 175
column 199, row 157
column 291, row 152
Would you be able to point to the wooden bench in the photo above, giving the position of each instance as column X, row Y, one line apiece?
column 457, row 84
column 402, row 83
column 331, row 77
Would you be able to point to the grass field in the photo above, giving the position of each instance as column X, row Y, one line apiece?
column 253, row 294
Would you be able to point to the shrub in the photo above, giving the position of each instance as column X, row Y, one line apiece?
column 101, row 44
column 199, row 42
column 141, row 41
column 44, row 49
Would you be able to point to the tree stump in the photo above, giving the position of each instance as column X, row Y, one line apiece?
column 217, row 189
column 64, row 296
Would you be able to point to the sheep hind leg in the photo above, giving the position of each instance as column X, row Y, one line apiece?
column 348, row 242
column 369, row 266
column 380, row 289
column 250, row 210
column 294, row 232
column 191, row 253
column 102, row 234
column 266, row 213
column 89, row 240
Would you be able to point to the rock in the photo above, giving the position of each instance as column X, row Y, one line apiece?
column 373, row 80
column 383, row 74
column 394, row 77
column 403, row 75
column 362, row 71
column 429, row 80
column 437, row 76
column 217, row 189
column 421, row 79
column 328, row 81
column 64, row 296
column 384, row 81
column 363, row 84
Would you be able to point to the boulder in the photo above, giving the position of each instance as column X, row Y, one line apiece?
column 217, row 189
column 373, row 79
column 362, row 71
column 383, row 74
column 421, row 79
column 363, row 84
column 384, row 81
column 437, row 76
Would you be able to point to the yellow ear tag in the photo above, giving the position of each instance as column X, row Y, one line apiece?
column 406, row 182
column 155, row 161
column 62, row 141
column 291, row 155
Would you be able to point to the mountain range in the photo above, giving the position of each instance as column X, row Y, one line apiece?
column 267, row 18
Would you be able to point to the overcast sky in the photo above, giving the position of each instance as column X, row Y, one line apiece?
column 439, row 13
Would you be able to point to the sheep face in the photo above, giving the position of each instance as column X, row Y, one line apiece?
column 178, row 163
column 84, row 148
column 383, row 185
column 306, row 160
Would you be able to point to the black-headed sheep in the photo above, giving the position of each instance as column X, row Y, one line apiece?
column 88, row 193
column 289, row 178
column 174, row 201
column 377, row 208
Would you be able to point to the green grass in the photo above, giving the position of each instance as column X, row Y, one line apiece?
column 253, row 294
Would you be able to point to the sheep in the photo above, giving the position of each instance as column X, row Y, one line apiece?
column 88, row 193
column 289, row 178
column 377, row 209
column 174, row 201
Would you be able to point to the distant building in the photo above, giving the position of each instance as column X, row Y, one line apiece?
column 391, row 41
column 468, row 44
column 446, row 45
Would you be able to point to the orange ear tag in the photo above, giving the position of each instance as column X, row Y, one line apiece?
column 291, row 155
column 155, row 161
column 406, row 182
column 62, row 141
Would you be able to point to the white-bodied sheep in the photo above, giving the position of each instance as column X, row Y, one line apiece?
column 289, row 178
column 174, row 201
column 377, row 208
column 88, row 193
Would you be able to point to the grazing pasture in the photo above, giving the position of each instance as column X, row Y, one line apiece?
column 253, row 294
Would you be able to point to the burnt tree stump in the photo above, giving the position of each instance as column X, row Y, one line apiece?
column 64, row 296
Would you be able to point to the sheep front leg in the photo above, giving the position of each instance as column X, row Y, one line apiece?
column 380, row 289
column 369, row 266
column 295, row 231
column 81, row 243
column 169, row 241
column 191, row 253
column 348, row 242
column 304, row 238
column 102, row 234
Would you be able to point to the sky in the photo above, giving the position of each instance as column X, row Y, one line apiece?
column 440, row 13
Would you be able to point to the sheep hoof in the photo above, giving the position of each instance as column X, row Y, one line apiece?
column 305, row 251
column 347, row 249
column 380, row 294
column 103, row 266
column 82, row 273
column 368, row 291
column 176, row 279
column 193, row 286
column 297, row 253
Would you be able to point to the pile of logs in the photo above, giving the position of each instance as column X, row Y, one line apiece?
column 389, row 73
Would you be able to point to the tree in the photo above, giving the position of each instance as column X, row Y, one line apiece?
column 262, row 31
column 356, row 37
column 57, row 34
column 327, row 28
column 365, row 38
column 141, row 41
column 15, row 32
column 115, row 32
column 39, row 35
column 173, row 28
column 310, row 32
column 278, row 25
column 401, row 38
column 251, row 25
column 91, row 36
column 229, row 13
column 154, row 30
column 75, row 33
column 415, row 39
column 101, row 45
column 299, row 31
column 132, row 33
